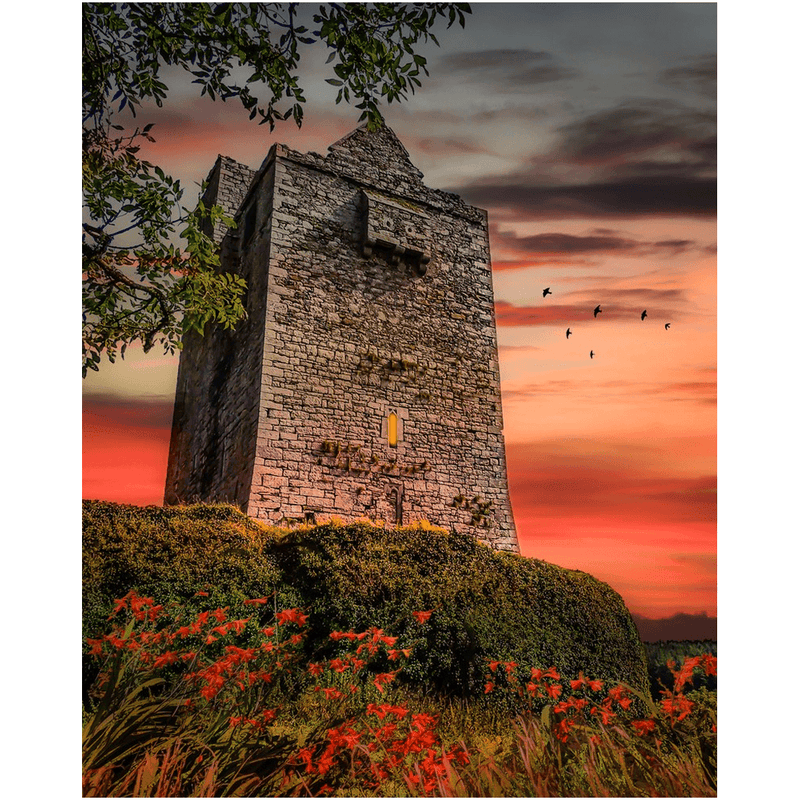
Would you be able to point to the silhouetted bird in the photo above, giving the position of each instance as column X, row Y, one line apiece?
column 597, row 311
column 546, row 292
column 591, row 354
column 644, row 314
column 666, row 327
column 568, row 332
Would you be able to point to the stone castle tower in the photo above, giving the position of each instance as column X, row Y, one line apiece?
column 364, row 381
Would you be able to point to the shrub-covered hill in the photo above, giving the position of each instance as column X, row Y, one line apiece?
column 486, row 604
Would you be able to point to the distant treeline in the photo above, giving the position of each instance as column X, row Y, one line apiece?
column 678, row 627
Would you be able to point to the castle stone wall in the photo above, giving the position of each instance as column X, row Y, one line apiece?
column 370, row 295
column 217, row 399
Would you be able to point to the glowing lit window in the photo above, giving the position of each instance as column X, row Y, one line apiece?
column 392, row 429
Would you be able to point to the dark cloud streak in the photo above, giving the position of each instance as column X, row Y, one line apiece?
column 618, row 133
column 646, row 196
column 699, row 75
column 565, row 244
column 140, row 412
column 506, row 70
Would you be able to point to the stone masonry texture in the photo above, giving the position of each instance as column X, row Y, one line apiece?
column 370, row 309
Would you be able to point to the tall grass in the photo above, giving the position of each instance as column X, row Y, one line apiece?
column 192, row 702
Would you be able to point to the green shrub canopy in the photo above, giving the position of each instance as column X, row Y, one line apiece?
column 486, row 604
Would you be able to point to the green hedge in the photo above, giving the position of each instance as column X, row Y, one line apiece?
column 487, row 604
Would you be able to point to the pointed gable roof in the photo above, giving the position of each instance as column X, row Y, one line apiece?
column 368, row 151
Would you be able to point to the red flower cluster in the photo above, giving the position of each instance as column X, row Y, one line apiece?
column 224, row 681
column 407, row 747
column 291, row 615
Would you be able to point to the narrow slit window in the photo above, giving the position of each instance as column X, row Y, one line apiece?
column 249, row 222
column 392, row 429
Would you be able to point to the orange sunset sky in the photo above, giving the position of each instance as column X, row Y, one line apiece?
column 588, row 132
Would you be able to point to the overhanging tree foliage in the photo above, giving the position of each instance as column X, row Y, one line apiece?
column 138, row 285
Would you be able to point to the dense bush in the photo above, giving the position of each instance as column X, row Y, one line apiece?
column 487, row 604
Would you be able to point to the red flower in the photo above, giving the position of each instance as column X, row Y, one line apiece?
column 257, row 601
column 305, row 756
column 422, row 616
column 96, row 645
column 643, row 726
column 209, row 691
column 677, row 707
column 201, row 594
column 115, row 640
column 562, row 729
column 493, row 665
column 220, row 614
column 137, row 603
column 351, row 738
column 121, row 604
column 383, row 678
column 553, row 689
column 422, row 721
column 605, row 713
column 509, row 665
column 551, row 673
column 291, row 615
column 709, row 664
column 489, row 687
column 268, row 631
column 576, row 684
column 315, row 669
column 595, row 686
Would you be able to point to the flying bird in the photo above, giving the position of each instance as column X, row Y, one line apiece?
column 568, row 332
column 591, row 354
column 598, row 310
column 644, row 314
column 666, row 327
column 546, row 292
